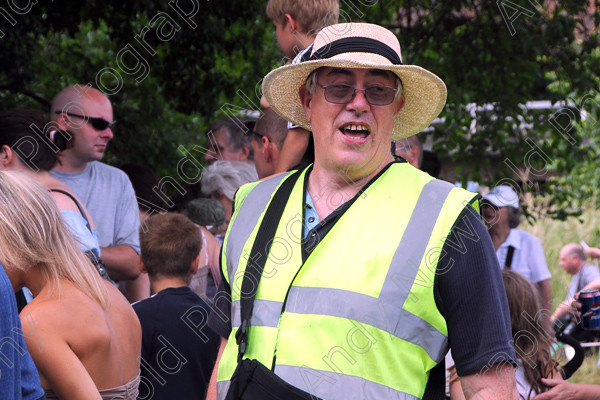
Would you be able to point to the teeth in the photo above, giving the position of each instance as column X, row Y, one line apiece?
column 354, row 127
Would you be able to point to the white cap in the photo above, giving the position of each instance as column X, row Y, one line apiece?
column 502, row 196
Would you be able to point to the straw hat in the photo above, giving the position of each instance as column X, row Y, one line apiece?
column 358, row 45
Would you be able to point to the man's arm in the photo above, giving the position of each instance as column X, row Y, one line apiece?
column 292, row 151
column 563, row 390
column 545, row 290
column 122, row 262
column 593, row 252
column 562, row 310
column 138, row 289
column 212, row 384
column 497, row 383
column 595, row 284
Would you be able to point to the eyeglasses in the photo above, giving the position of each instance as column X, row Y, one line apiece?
column 97, row 123
column 253, row 132
column 401, row 147
column 485, row 203
column 375, row 95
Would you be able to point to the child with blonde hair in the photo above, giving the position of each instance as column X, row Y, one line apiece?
column 296, row 25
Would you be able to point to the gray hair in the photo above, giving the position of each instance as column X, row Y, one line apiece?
column 234, row 132
column 227, row 176
column 311, row 83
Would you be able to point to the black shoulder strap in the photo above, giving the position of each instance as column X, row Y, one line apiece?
column 509, row 257
column 69, row 195
column 258, row 258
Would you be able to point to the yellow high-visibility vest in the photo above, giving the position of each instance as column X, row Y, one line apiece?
column 358, row 318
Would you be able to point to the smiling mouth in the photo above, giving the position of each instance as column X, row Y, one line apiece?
column 355, row 131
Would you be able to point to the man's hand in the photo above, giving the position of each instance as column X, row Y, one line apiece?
column 563, row 390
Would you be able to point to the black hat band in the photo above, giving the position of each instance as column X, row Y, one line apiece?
column 354, row 45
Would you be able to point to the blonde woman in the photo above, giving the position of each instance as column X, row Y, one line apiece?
column 82, row 334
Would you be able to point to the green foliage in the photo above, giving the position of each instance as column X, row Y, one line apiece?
column 176, row 74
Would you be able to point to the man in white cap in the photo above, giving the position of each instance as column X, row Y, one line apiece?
column 516, row 249
column 351, row 278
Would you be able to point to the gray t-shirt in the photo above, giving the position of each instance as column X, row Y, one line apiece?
column 108, row 195
column 586, row 274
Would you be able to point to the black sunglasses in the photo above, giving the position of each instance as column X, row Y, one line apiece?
column 97, row 123
column 253, row 132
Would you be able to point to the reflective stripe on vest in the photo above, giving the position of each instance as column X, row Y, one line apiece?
column 246, row 222
column 324, row 338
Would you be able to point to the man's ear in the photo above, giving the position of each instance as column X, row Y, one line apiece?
column 61, row 122
column 266, row 147
column 7, row 156
column 399, row 104
column 305, row 99
column 290, row 23
column 245, row 152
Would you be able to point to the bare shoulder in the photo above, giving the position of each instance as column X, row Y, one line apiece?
column 121, row 311
column 63, row 308
column 39, row 317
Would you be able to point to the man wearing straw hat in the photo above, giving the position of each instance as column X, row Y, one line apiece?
column 352, row 278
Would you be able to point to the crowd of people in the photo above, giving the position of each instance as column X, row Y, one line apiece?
column 314, row 259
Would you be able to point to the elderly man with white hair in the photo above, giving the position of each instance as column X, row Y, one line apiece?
column 221, row 180
column 351, row 278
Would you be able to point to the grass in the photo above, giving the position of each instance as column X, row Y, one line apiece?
column 553, row 235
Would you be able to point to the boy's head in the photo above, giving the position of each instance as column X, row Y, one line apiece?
column 298, row 22
column 170, row 245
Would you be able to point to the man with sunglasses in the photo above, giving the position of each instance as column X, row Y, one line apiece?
column 351, row 278
column 86, row 114
column 267, row 138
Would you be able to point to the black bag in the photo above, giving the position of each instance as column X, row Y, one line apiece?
column 252, row 380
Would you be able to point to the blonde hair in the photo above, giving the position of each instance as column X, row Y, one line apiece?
column 311, row 15
column 33, row 234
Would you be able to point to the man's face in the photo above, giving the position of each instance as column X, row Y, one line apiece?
column 493, row 215
column 568, row 262
column 89, row 143
column 219, row 149
column 354, row 137
column 407, row 151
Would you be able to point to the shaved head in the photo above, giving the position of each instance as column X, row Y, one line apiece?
column 87, row 115
column 573, row 249
column 79, row 99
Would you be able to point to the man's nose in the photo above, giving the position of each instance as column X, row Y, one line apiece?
column 107, row 134
column 210, row 156
column 359, row 103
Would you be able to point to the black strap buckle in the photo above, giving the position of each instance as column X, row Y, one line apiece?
column 241, row 332
column 241, row 338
